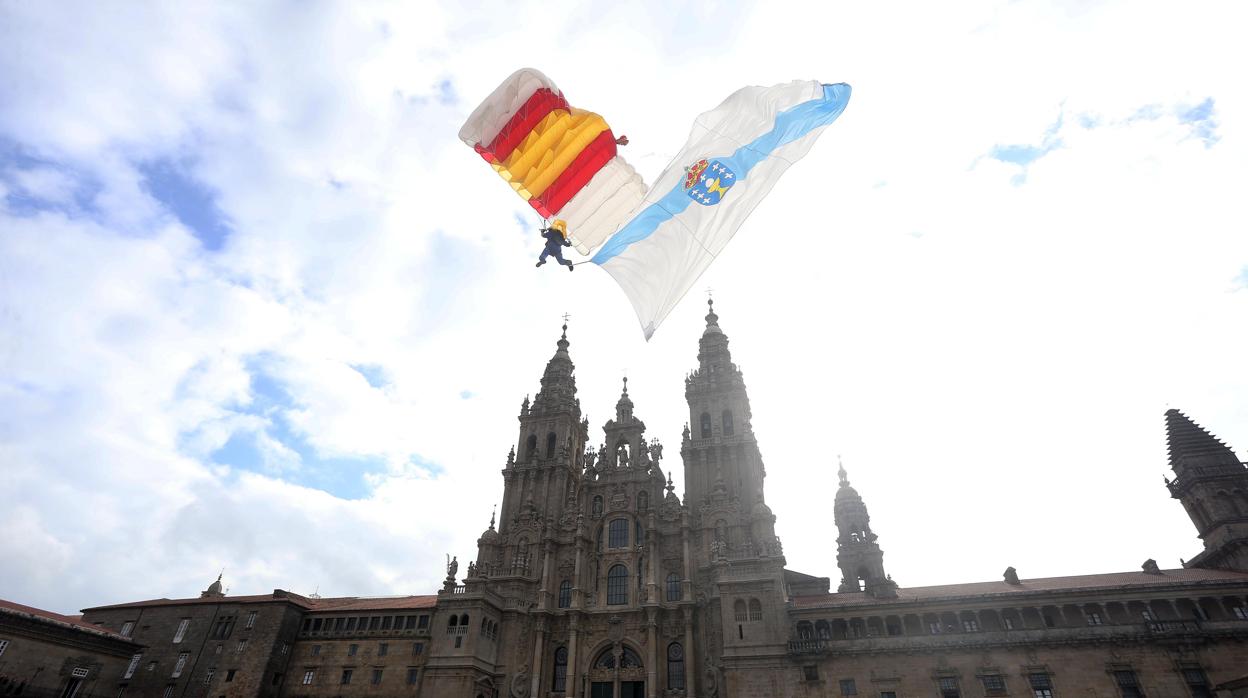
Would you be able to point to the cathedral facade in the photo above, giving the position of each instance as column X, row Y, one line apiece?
column 595, row 580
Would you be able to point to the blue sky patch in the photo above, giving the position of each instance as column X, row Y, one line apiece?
column 191, row 201
column 1024, row 154
column 1200, row 119
column 373, row 373
column 29, row 180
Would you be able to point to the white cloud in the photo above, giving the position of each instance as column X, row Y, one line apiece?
column 1005, row 351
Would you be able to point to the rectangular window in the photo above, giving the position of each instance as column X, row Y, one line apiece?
column 383, row 649
column 888, row 694
column 848, row 687
column 1008, row 623
column 316, row 650
column 79, row 672
column 121, row 690
column 308, row 676
column 411, row 623
column 1197, row 682
column 377, row 677
column 223, row 628
column 352, row 649
column 168, row 692
column 374, row 622
column 229, row 675
column 285, row 647
column 4, row 645
column 134, row 661
column 1041, row 685
column 179, row 665
column 949, row 687
column 418, row 648
column 1240, row 612
column 277, row 679
column 316, row 624
column 242, row 645
column 127, row 628
column 970, row 625
column 934, row 628
column 346, row 676
column 181, row 632
column 209, row 674
column 1127, row 684
column 351, row 624
column 307, row 624
column 412, row 674
column 994, row 685
column 337, row 624
column 1146, row 615
column 422, row 622
column 1094, row 618
column 385, row 622
column 617, row 536
column 251, row 620
column 810, row 673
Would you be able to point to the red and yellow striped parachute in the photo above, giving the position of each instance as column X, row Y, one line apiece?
column 560, row 159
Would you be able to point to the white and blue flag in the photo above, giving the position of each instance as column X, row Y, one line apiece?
column 734, row 156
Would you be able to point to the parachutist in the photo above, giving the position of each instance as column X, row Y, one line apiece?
column 556, row 237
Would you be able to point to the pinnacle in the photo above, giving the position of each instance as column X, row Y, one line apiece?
column 1191, row 444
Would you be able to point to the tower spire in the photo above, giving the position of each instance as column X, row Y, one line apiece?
column 1192, row 446
column 1211, row 483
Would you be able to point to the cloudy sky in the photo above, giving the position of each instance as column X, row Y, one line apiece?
column 260, row 309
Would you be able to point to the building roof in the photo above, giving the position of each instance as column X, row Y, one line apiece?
column 1046, row 585
column 12, row 608
column 341, row 603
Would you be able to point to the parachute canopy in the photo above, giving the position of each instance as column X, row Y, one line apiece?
column 560, row 159
column 654, row 243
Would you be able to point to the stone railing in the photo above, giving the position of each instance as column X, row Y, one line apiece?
column 810, row 646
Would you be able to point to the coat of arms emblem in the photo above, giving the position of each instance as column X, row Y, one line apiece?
column 706, row 181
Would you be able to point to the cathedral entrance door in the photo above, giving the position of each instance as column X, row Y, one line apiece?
column 601, row 689
column 632, row 689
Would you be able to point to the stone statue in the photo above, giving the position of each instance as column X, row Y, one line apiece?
column 472, row 569
column 1011, row 576
column 452, row 567
column 1150, row 567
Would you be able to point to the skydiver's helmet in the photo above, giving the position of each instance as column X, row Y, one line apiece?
column 561, row 226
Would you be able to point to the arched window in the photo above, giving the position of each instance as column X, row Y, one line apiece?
column 727, row 420
column 617, row 585
column 596, row 509
column 805, row 631
column 643, row 502
column 822, row 630
column 756, row 610
column 738, row 611
column 673, row 587
column 628, row 659
column 530, row 449
column 675, row 667
column 617, row 537
column 706, row 425
column 639, row 537
column 463, row 620
column 550, row 445
column 560, row 684
column 565, row 594
column 451, row 624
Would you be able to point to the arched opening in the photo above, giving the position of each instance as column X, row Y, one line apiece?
column 530, row 448
column 727, row 423
column 673, row 587
column 565, row 594
column 706, row 425
column 739, row 613
column 451, row 625
column 756, row 610
column 805, row 631
column 550, row 444
column 643, row 502
column 560, row 682
column 628, row 659
column 617, row 585
column 595, row 509
column 675, row 667
column 823, row 631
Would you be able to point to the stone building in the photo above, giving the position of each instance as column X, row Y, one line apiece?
column 44, row 653
column 595, row 580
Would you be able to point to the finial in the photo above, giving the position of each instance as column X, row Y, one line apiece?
column 626, row 385
column 492, row 512
column 841, row 471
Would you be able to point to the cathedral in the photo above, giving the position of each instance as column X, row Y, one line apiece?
column 595, row 580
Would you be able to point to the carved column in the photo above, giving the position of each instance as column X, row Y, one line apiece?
column 689, row 652
column 538, row 651
column 686, row 584
column 577, row 591
column 572, row 686
column 652, row 666
column 548, row 558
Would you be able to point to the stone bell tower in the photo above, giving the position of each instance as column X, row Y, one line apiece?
column 1212, row 483
column 857, row 553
